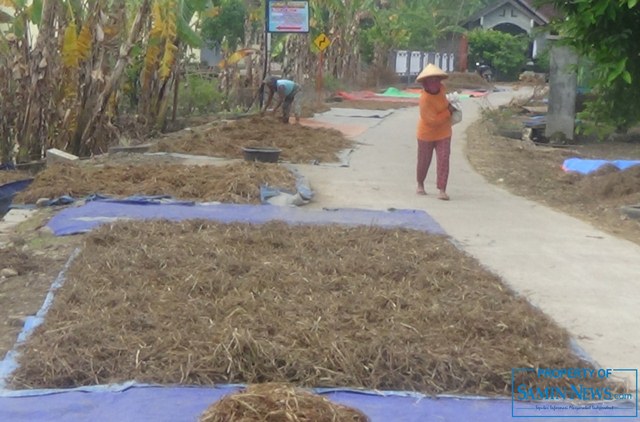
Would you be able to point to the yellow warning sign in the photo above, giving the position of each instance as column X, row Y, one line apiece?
column 322, row 42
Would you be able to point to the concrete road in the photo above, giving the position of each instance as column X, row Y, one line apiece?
column 585, row 279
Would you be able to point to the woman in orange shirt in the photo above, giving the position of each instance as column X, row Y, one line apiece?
column 434, row 129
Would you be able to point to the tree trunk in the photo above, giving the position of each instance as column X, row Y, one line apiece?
column 118, row 70
column 34, row 130
column 176, row 88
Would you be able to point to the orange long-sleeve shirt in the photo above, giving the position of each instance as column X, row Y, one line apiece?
column 434, row 123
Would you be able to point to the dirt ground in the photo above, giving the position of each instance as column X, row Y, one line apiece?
column 37, row 257
column 201, row 303
column 466, row 80
column 536, row 172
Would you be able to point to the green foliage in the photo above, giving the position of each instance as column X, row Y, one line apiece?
column 606, row 33
column 413, row 24
column 585, row 74
column 131, row 83
column 423, row 28
column 386, row 31
column 278, row 50
column 332, row 84
column 501, row 117
column 505, row 53
column 15, row 17
column 228, row 24
column 542, row 62
column 199, row 95
column 366, row 42
column 36, row 12
column 186, row 10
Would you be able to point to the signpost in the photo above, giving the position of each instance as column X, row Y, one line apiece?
column 322, row 42
column 282, row 16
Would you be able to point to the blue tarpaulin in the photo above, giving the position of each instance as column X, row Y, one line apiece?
column 586, row 166
column 135, row 403
column 536, row 121
column 8, row 191
column 11, row 188
column 266, row 192
column 84, row 218
column 135, row 199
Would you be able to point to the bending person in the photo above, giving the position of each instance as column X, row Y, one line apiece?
column 286, row 91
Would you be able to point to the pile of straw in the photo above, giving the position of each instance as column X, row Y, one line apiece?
column 279, row 403
column 299, row 144
column 204, row 303
column 238, row 182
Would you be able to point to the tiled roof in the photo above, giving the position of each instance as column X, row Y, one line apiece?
column 546, row 10
column 542, row 14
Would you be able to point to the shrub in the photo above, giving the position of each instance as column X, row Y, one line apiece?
column 199, row 95
column 505, row 53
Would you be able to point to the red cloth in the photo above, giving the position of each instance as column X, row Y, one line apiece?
column 356, row 95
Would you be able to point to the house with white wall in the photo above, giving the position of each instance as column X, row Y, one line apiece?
column 516, row 17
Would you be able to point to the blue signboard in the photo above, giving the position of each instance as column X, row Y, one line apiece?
column 288, row 16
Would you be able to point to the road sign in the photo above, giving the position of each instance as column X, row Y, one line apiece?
column 322, row 42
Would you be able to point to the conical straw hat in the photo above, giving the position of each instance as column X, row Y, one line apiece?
column 430, row 71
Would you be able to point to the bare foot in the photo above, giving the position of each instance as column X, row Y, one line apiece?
column 421, row 191
column 443, row 196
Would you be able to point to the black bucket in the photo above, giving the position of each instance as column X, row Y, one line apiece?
column 632, row 211
column 262, row 154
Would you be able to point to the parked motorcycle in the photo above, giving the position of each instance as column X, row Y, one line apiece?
column 484, row 71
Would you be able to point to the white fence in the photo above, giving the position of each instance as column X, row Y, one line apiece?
column 410, row 63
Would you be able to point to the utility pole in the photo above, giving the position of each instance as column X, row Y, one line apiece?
column 265, row 65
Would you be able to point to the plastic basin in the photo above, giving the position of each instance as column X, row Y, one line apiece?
column 262, row 154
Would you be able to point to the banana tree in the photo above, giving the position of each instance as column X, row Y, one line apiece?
column 168, row 25
column 61, row 87
column 35, row 123
column 343, row 58
column 170, row 30
column 254, row 37
column 340, row 21
column 16, row 18
column 385, row 34
column 103, row 104
column 60, row 74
